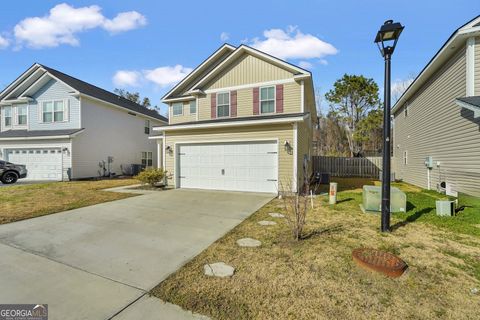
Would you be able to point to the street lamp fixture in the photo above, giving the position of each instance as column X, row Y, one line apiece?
column 386, row 41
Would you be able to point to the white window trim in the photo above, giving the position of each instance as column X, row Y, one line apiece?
column 4, row 116
column 17, row 123
column 65, row 111
column 173, row 105
column 274, row 99
column 229, row 104
column 149, row 156
column 190, row 106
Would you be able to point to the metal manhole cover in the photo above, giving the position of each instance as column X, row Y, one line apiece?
column 379, row 261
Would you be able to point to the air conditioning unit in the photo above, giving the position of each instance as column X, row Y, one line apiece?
column 445, row 208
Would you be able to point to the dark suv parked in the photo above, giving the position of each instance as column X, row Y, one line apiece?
column 10, row 173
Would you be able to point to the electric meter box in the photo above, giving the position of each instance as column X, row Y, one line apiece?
column 372, row 199
column 429, row 162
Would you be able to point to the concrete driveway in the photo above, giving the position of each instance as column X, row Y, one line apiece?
column 94, row 262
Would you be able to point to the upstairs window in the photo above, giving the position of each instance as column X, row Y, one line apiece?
column 147, row 126
column 267, row 99
column 22, row 115
column 193, row 107
column 223, row 105
column 8, row 116
column 147, row 159
column 53, row 111
column 177, row 109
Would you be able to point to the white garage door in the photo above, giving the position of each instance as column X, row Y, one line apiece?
column 42, row 164
column 238, row 166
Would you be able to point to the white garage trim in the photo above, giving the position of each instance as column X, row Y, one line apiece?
column 177, row 145
column 295, row 160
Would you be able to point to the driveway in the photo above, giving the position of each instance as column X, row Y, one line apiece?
column 94, row 262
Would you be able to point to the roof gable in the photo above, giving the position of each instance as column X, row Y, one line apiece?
column 246, row 50
column 205, row 67
column 456, row 40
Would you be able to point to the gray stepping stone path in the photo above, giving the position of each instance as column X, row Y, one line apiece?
column 249, row 242
column 218, row 269
column 276, row 215
column 267, row 223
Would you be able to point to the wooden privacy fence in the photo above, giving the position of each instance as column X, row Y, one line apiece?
column 348, row 167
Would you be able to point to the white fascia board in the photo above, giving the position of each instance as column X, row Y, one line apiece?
column 67, row 85
column 180, row 99
column 116, row 106
column 219, row 124
column 475, row 109
column 197, row 69
column 252, row 85
column 9, row 102
column 22, row 82
column 155, row 137
column 253, row 52
column 67, row 136
column 24, row 93
column 449, row 46
column 19, row 79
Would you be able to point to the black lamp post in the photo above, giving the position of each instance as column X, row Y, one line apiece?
column 386, row 41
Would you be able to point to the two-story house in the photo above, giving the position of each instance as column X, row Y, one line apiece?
column 437, row 120
column 63, row 128
column 242, row 121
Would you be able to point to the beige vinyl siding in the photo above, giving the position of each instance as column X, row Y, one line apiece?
column 437, row 127
column 291, row 102
column 282, row 132
column 185, row 117
column 477, row 66
column 247, row 69
column 304, row 141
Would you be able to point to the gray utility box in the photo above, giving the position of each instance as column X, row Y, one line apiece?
column 372, row 199
column 445, row 208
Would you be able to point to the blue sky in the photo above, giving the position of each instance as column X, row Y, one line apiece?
column 153, row 43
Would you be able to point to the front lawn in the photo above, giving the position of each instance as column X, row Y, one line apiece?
column 28, row 201
column 316, row 277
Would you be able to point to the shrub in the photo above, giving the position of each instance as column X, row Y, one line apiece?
column 151, row 176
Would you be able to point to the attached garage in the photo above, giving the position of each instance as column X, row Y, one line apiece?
column 41, row 163
column 250, row 166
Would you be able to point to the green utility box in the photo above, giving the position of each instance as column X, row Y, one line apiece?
column 372, row 199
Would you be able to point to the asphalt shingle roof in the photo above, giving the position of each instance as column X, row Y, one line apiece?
column 37, row 133
column 99, row 93
column 474, row 101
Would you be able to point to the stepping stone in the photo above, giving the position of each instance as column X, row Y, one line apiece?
column 267, row 223
column 276, row 215
column 218, row 269
column 249, row 242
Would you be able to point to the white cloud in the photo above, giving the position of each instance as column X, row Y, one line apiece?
column 305, row 65
column 64, row 22
column 166, row 76
column 323, row 62
column 224, row 36
column 4, row 42
column 399, row 86
column 125, row 21
column 126, row 78
column 162, row 76
column 293, row 44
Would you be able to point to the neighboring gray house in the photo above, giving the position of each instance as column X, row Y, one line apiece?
column 63, row 128
column 438, row 118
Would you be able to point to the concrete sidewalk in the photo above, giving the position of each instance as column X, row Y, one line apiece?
column 99, row 261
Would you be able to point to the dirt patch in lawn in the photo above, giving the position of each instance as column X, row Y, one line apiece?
column 316, row 278
column 28, row 201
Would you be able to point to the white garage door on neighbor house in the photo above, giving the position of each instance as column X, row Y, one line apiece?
column 42, row 164
column 236, row 166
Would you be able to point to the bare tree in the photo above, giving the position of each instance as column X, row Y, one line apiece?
column 400, row 86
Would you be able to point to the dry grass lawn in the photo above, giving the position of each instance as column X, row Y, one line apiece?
column 316, row 277
column 28, row 201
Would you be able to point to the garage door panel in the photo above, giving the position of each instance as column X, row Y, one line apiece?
column 42, row 164
column 239, row 166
